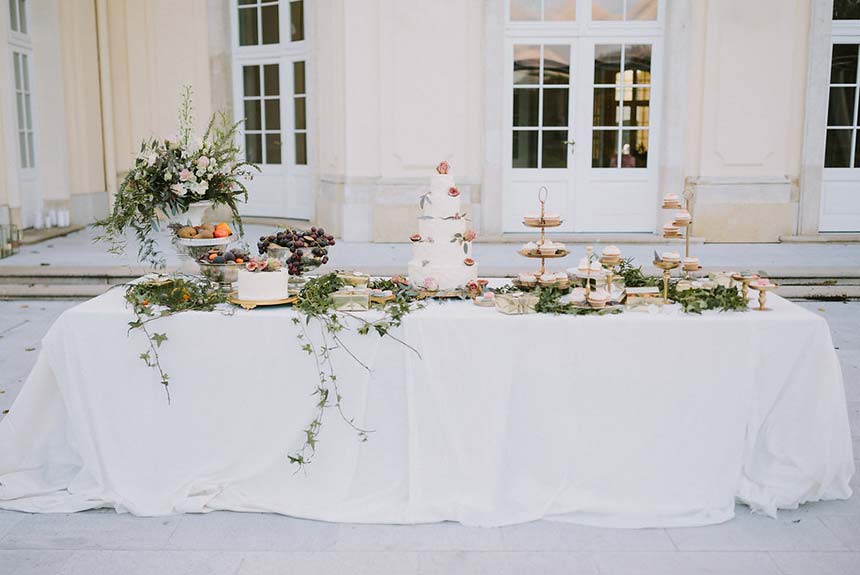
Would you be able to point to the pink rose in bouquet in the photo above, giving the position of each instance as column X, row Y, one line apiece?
column 185, row 175
column 442, row 168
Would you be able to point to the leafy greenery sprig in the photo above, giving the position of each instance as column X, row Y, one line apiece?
column 697, row 300
column 316, row 303
column 162, row 297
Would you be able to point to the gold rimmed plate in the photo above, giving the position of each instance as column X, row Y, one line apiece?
column 251, row 304
column 537, row 254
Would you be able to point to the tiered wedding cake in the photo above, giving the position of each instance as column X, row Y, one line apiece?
column 442, row 254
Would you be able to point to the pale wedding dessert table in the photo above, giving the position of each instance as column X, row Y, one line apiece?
column 629, row 420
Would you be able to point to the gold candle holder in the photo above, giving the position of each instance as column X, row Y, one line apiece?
column 667, row 268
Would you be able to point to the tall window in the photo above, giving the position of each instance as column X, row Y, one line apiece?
column 300, row 121
column 842, row 109
column 262, row 103
column 622, row 94
column 846, row 9
column 18, row 16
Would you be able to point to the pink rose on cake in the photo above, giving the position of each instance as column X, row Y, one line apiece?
column 443, row 168
column 453, row 192
column 430, row 284
column 469, row 235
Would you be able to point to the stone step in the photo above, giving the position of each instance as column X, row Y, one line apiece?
column 52, row 291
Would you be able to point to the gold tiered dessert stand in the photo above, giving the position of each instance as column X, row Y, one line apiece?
column 667, row 268
column 686, row 226
column 542, row 224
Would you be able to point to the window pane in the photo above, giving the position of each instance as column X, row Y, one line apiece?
column 846, row 9
column 248, row 2
column 13, row 14
column 526, row 64
column 556, row 64
column 251, row 80
column 555, row 106
column 605, row 107
column 526, row 106
column 271, row 27
column 273, row 114
column 20, row 106
column 247, row 26
column 16, row 61
column 559, row 9
column 641, row 10
column 604, row 152
column 607, row 63
column 22, row 17
column 607, row 9
column 634, row 149
column 254, row 148
column 837, row 151
column 298, row 77
column 28, row 111
column 25, row 69
column 637, row 57
column 301, row 149
column 273, row 148
column 300, row 114
column 297, row 21
column 636, row 110
column 525, row 149
column 32, row 154
column 22, row 148
column 273, row 81
column 843, row 64
column 525, row 9
column 554, row 152
column 252, row 115
column 857, row 156
column 840, row 109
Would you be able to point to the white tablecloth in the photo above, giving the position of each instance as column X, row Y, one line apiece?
column 627, row 420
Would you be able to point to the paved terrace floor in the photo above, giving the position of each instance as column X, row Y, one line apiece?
column 77, row 251
column 817, row 539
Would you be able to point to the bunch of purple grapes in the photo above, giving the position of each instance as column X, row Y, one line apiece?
column 308, row 248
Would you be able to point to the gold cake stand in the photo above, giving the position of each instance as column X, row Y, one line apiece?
column 667, row 268
column 762, row 295
column 251, row 304
column 542, row 224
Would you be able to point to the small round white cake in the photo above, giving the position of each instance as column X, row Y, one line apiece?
column 263, row 286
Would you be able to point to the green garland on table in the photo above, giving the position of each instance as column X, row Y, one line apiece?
column 697, row 300
column 162, row 297
column 315, row 302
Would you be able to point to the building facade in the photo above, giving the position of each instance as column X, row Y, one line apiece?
column 349, row 104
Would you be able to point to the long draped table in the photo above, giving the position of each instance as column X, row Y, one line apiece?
column 629, row 420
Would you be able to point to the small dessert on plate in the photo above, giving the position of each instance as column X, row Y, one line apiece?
column 671, row 201
column 611, row 252
column 532, row 219
column 598, row 298
column 586, row 267
column 682, row 218
column 670, row 229
column 551, row 219
column 691, row 264
column 527, row 279
column 549, row 248
column 530, row 248
column 671, row 257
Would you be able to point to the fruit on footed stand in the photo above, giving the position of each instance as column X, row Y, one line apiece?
column 203, row 231
column 308, row 248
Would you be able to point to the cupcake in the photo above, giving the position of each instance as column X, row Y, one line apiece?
column 552, row 219
column 671, row 257
column 549, row 248
column 611, row 252
column 531, row 219
column 530, row 247
column 691, row 264
column 671, row 201
column 527, row 279
column 598, row 298
column 682, row 218
column 586, row 267
column 671, row 229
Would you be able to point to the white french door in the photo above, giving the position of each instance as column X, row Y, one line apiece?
column 840, row 193
column 582, row 113
column 271, row 92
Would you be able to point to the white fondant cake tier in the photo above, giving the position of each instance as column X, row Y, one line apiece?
column 263, row 286
column 447, row 277
column 442, row 252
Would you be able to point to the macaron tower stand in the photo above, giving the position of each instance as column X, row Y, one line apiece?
column 542, row 223
column 681, row 226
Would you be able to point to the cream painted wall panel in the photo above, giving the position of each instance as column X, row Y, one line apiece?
column 81, row 87
column 49, row 116
column 156, row 47
column 362, row 117
column 752, row 90
column 431, row 86
column 329, row 72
